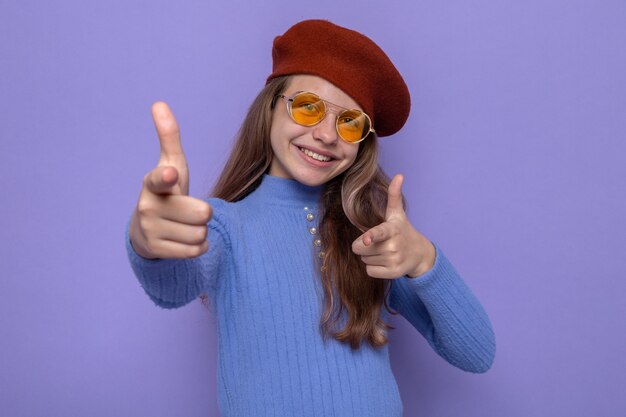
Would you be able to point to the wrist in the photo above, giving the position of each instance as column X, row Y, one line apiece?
column 427, row 260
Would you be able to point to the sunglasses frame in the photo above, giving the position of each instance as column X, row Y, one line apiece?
column 289, row 100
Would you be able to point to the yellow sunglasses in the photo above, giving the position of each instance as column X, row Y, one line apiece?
column 308, row 109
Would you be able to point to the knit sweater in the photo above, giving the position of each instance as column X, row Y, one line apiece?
column 261, row 279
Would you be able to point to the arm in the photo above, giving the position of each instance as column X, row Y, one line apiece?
column 167, row 238
column 444, row 310
column 429, row 293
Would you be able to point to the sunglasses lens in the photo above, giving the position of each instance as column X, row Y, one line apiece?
column 307, row 109
column 353, row 125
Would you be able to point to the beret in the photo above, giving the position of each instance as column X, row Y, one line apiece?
column 352, row 62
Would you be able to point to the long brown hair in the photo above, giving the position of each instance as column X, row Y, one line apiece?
column 351, row 203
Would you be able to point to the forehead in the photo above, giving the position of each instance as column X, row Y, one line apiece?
column 323, row 88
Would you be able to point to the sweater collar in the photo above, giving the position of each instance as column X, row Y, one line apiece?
column 286, row 192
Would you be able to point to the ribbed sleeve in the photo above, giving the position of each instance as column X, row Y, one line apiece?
column 441, row 306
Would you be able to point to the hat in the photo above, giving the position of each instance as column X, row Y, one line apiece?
column 352, row 62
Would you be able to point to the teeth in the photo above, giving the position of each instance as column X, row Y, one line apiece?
column 315, row 155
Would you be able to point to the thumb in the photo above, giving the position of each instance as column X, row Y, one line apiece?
column 394, row 197
column 172, row 154
column 169, row 134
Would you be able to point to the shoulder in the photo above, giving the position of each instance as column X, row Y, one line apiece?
column 220, row 207
column 223, row 217
column 223, row 211
column 228, row 215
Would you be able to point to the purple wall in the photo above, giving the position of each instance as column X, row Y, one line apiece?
column 514, row 157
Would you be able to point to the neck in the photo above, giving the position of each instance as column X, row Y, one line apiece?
column 286, row 192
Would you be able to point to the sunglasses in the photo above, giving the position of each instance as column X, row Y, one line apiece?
column 308, row 109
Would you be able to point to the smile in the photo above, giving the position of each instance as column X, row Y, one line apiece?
column 315, row 156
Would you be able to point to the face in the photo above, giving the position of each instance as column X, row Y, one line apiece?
column 311, row 155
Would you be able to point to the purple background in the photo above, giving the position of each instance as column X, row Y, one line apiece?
column 514, row 157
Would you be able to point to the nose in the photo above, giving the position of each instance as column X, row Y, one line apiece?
column 325, row 131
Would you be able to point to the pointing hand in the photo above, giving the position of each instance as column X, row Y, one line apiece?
column 167, row 223
column 394, row 248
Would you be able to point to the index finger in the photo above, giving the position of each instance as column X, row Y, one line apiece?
column 376, row 234
column 364, row 244
column 162, row 180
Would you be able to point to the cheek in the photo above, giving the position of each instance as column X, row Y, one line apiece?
column 352, row 152
column 283, row 128
column 273, row 128
column 277, row 134
column 273, row 138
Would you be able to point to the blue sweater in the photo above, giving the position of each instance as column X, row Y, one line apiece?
column 264, row 289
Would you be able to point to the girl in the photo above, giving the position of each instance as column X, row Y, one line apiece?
column 305, row 248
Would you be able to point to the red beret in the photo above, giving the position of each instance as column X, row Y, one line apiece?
column 352, row 62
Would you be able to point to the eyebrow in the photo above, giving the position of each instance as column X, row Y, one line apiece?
column 290, row 97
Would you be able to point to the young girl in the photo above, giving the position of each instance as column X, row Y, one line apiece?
column 305, row 249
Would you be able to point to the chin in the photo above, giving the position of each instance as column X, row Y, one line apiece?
column 312, row 179
column 311, row 182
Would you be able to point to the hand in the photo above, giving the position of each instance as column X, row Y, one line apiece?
column 394, row 248
column 167, row 223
